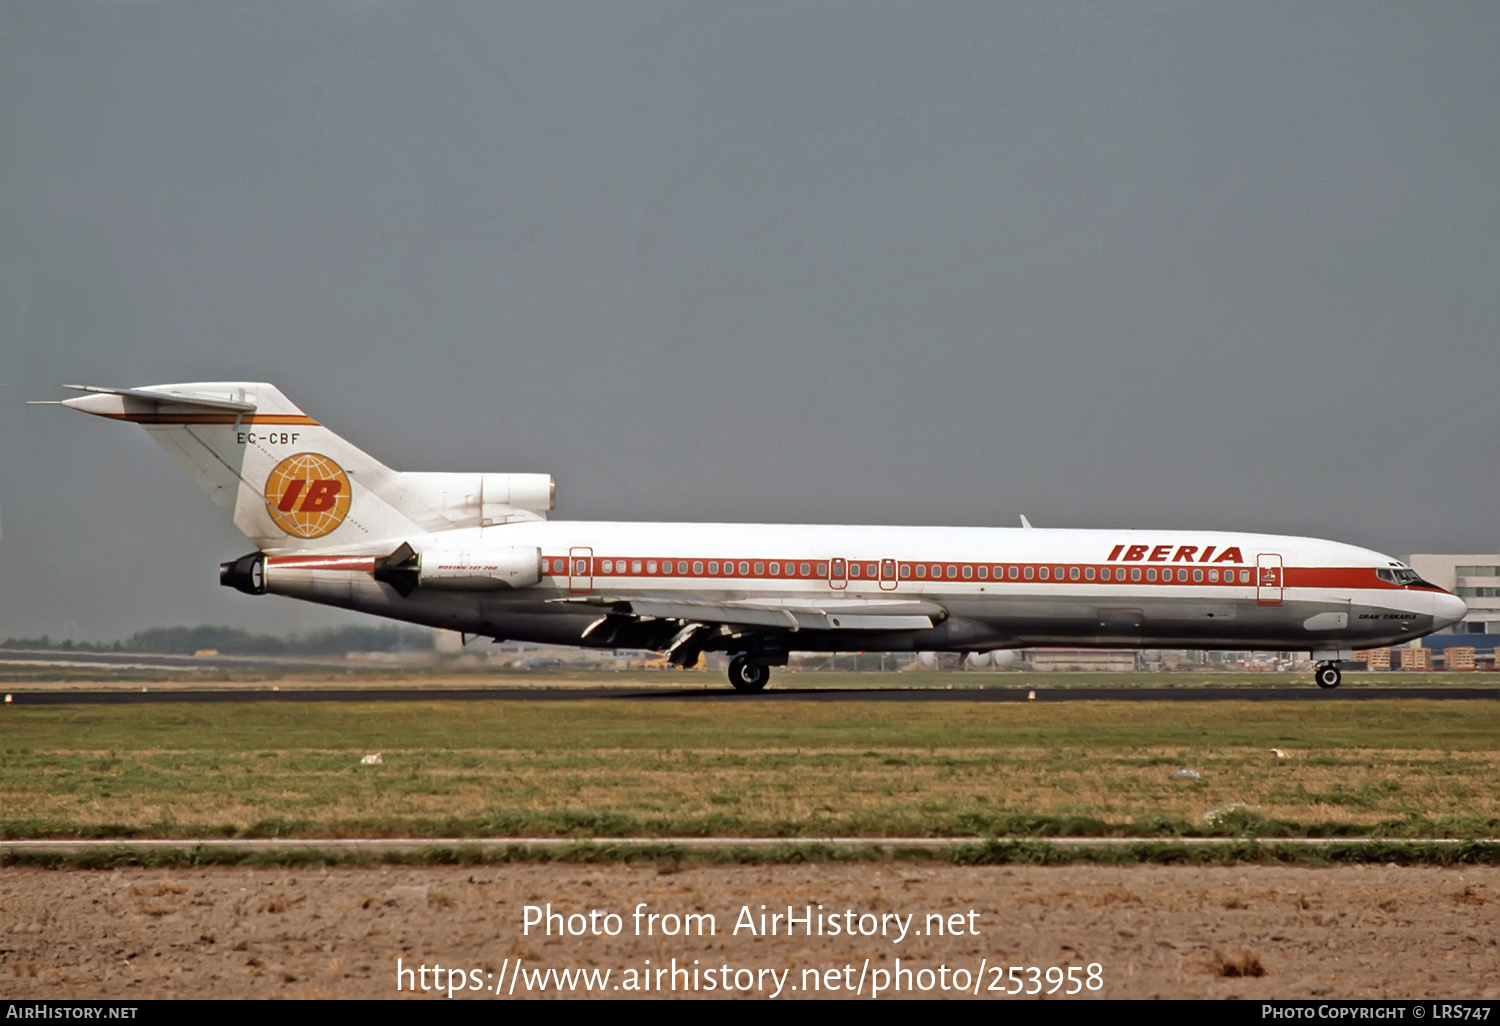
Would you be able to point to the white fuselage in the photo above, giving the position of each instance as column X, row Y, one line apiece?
column 993, row 587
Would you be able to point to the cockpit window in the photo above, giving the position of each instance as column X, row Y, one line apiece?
column 1400, row 577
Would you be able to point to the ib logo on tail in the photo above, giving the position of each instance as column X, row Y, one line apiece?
column 307, row 495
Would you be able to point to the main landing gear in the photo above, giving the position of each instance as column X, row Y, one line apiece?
column 1328, row 675
column 747, row 676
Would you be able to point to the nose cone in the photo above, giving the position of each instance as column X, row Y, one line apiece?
column 1447, row 610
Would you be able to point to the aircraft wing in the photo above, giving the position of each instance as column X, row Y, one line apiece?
column 799, row 615
column 773, row 613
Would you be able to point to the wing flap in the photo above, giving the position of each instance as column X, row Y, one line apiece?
column 708, row 613
column 785, row 613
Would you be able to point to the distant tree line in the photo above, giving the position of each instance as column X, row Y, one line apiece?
column 235, row 641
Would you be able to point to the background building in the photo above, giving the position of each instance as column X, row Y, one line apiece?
column 1475, row 578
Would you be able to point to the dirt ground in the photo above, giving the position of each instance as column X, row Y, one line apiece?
column 1154, row 931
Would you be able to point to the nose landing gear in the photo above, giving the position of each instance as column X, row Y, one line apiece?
column 1328, row 675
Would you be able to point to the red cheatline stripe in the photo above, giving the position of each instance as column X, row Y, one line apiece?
column 212, row 418
column 968, row 572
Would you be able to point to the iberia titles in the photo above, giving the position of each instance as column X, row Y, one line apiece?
column 1164, row 554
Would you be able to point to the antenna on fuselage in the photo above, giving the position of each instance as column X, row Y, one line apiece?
column 1024, row 521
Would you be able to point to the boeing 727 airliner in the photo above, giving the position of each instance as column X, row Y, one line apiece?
column 476, row 553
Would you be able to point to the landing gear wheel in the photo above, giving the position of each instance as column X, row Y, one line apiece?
column 1328, row 675
column 747, row 676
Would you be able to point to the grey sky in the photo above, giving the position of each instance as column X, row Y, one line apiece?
column 1216, row 265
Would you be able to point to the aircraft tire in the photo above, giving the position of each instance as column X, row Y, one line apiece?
column 746, row 676
column 1328, row 676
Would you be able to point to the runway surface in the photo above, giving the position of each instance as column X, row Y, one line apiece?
column 500, row 694
column 421, row 844
column 13, row 657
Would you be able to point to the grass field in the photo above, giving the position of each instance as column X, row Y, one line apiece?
column 794, row 770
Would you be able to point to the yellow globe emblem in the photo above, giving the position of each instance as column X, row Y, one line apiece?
column 307, row 495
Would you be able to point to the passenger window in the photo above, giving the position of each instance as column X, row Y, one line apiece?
column 1029, row 573
column 905, row 570
column 651, row 567
column 853, row 569
column 1059, row 573
column 744, row 569
column 984, row 573
column 1244, row 576
column 697, row 568
column 1044, row 573
column 775, row 569
column 635, row 566
column 1073, row 574
column 1088, row 574
column 822, row 569
column 1151, row 574
column 1011, row 573
column 1135, row 573
column 921, row 569
column 1213, row 577
column 682, row 566
column 952, row 572
column 1197, row 576
column 713, row 566
column 1105, row 574
column 760, row 568
column 807, row 569
column 609, row 566
column 968, row 571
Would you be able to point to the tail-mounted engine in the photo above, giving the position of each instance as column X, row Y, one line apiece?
column 438, row 501
column 460, row 569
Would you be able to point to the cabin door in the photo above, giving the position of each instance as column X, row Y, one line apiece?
column 580, row 570
column 1268, row 579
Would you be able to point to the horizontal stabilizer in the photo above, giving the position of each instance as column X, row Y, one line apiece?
column 207, row 402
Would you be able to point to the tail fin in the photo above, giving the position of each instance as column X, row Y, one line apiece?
column 291, row 484
column 288, row 482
